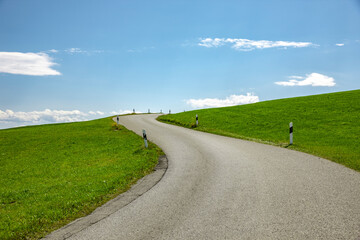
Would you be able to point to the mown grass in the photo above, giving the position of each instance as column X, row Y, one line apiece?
column 53, row 174
column 326, row 125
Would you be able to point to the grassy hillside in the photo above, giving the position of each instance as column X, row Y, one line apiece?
column 326, row 125
column 52, row 174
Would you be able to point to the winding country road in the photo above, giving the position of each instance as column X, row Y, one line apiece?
column 222, row 188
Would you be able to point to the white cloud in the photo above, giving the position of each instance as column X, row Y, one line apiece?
column 249, row 45
column 291, row 82
column 232, row 100
column 340, row 44
column 313, row 79
column 53, row 51
column 122, row 112
column 46, row 116
column 96, row 113
column 35, row 64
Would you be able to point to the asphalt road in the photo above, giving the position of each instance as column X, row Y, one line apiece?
column 222, row 188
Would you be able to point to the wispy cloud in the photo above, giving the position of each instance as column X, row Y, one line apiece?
column 340, row 44
column 140, row 50
column 313, row 79
column 35, row 64
column 232, row 100
column 212, row 42
column 46, row 116
column 296, row 77
column 249, row 45
column 75, row 50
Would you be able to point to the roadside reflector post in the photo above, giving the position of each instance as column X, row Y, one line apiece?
column 117, row 119
column 133, row 110
column 291, row 133
column 169, row 111
column 197, row 120
column 145, row 139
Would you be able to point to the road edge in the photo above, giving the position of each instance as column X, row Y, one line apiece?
column 142, row 186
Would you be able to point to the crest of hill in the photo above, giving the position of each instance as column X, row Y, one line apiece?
column 325, row 125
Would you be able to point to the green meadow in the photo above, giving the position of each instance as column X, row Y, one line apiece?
column 326, row 125
column 53, row 174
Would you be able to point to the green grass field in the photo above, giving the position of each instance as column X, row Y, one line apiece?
column 53, row 174
column 326, row 125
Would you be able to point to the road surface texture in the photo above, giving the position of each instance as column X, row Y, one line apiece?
column 223, row 188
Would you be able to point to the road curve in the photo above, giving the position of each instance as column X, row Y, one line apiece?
column 223, row 188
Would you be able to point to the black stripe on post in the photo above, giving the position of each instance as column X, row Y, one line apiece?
column 145, row 138
column 291, row 129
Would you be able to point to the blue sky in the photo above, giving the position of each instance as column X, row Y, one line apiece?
column 75, row 60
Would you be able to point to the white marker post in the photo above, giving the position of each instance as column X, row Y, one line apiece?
column 117, row 120
column 291, row 133
column 197, row 120
column 145, row 139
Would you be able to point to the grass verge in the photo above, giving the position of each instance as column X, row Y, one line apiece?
column 53, row 174
column 326, row 125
